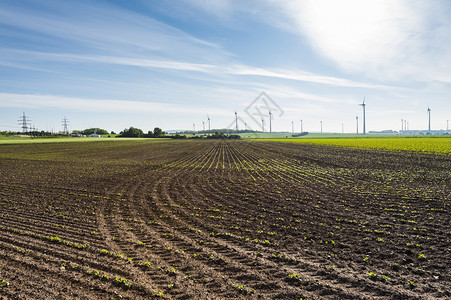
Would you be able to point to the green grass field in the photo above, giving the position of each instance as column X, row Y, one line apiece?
column 436, row 144
column 46, row 140
column 427, row 144
column 287, row 135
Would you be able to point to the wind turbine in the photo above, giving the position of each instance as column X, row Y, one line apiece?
column 194, row 127
column 203, row 125
column 357, row 123
column 292, row 127
column 270, row 125
column 263, row 125
column 363, row 106
column 208, row 118
column 429, row 114
column 342, row 128
column 302, row 129
column 447, row 125
column 321, row 123
column 236, row 120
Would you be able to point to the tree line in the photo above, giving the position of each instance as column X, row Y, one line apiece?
column 136, row 132
column 132, row 132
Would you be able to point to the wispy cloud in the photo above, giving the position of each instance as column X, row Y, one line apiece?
column 381, row 39
column 300, row 76
column 33, row 56
column 385, row 40
column 95, row 105
column 233, row 69
column 105, row 28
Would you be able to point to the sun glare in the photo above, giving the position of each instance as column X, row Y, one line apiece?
column 354, row 31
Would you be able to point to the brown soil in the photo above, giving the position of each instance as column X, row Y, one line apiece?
column 222, row 219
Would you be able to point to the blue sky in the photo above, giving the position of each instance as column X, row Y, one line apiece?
column 116, row 64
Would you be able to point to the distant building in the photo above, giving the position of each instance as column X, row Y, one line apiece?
column 95, row 135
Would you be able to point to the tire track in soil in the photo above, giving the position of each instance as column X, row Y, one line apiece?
column 49, row 281
column 380, row 290
column 157, row 253
column 309, row 270
column 136, row 185
column 184, row 242
column 244, row 258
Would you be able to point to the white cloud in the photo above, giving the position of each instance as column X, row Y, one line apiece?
column 384, row 39
column 10, row 58
column 299, row 76
column 359, row 35
column 94, row 105
column 104, row 28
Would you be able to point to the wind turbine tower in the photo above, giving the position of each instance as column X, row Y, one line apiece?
column 292, row 127
column 321, row 123
column 302, row 129
column 236, row 121
column 208, row 118
column 270, row 122
column 357, row 124
column 447, row 128
column 363, row 106
column 263, row 125
column 342, row 128
column 194, row 127
column 429, row 115
column 203, row 125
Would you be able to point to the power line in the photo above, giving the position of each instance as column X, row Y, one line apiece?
column 65, row 122
column 24, row 121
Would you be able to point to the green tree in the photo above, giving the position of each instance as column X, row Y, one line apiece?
column 132, row 132
column 157, row 132
column 149, row 134
column 93, row 130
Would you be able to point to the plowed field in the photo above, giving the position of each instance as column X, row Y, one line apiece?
column 222, row 219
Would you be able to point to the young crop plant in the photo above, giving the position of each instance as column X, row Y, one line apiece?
column 55, row 239
column 105, row 277
column 372, row 275
column 171, row 272
column 122, row 282
column 293, row 278
column 242, row 289
column 147, row 264
column 3, row 283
